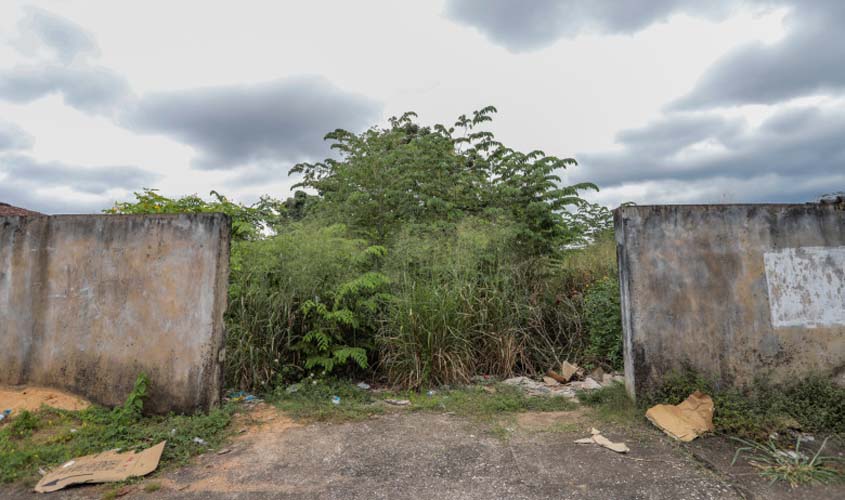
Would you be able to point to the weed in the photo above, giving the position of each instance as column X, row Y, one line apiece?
column 52, row 436
column 152, row 487
column 311, row 399
column 612, row 404
column 791, row 466
column 813, row 403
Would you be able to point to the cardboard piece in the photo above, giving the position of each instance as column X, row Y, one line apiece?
column 568, row 370
column 686, row 421
column 597, row 438
column 106, row 467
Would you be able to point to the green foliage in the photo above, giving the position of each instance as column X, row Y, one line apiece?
column 427, row 255
column 414, row 174
column 50, row 436
column 248, row 222
column 134, row 404
column 602, row 313
column 612, row 404
column 813, row 404
column 791, row 466
column 306, row 298
column 311, row 400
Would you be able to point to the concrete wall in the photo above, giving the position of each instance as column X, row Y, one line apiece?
column 87, row 302
column 732, row 291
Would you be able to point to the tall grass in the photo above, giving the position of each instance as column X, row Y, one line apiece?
column 462, row 303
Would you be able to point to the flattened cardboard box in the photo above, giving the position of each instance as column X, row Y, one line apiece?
column 106, row 467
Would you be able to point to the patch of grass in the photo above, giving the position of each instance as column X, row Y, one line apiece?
column 152, row 487
column 49, row 437
column 813, row 404
column 312, row 400
column 611, row 404
column 791, row 466
column 474, row 401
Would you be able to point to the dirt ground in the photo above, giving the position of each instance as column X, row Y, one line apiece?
column 18, row 399
column 440, row 456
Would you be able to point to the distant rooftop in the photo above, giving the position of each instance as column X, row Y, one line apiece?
column 6, row 210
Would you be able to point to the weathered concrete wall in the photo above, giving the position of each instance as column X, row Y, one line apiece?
column 87, row 302
column 732, row 291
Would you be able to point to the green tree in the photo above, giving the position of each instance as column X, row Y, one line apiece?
column 409, row 173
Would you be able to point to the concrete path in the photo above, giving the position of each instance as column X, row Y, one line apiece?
column 440, row 456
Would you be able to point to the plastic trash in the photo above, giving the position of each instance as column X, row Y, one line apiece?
column 5, row 414
column 363, row 386
column 431, row 393
column 292, row 388
column 335, row 400
column 200, row 441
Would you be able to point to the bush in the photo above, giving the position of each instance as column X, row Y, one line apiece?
column 271, row 280
column 602, row 314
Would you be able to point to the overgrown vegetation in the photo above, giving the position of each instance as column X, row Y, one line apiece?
column 50, row 436
column 811, row 404
column 425, row 256
column 795, row 466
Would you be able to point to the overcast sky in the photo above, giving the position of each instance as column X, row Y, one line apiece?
column 661, row 101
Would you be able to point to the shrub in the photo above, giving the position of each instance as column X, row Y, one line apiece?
column 602, row 314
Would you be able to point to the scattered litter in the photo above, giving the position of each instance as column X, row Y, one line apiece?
column 588, row 384
column 242, row 397
column 73, row 431
column 5, row 414
column 42, row 472
column 549, row 381
column 200, row 441
column 292, row 388
column 335, row 400
column 106, row 467
column 431, row 393
column 397, row 402
column 363, row 386
column 172, row 432
column 806, row 438
column 569, row 370
column 532, row 387
column 597, row 438
column 686, row 421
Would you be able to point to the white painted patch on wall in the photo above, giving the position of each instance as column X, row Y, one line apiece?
column 806, row 286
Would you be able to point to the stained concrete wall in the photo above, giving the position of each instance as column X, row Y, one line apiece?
column 732, row 291
column 87, row 302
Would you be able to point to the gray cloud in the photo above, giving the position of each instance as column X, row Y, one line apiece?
column 279, row 121
column 808, row 60
column 91, row 89
column 795, row 144
column 14, row 138
column 522, row 26
column 66, row 40
column 65, row 70
column 24, row 171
